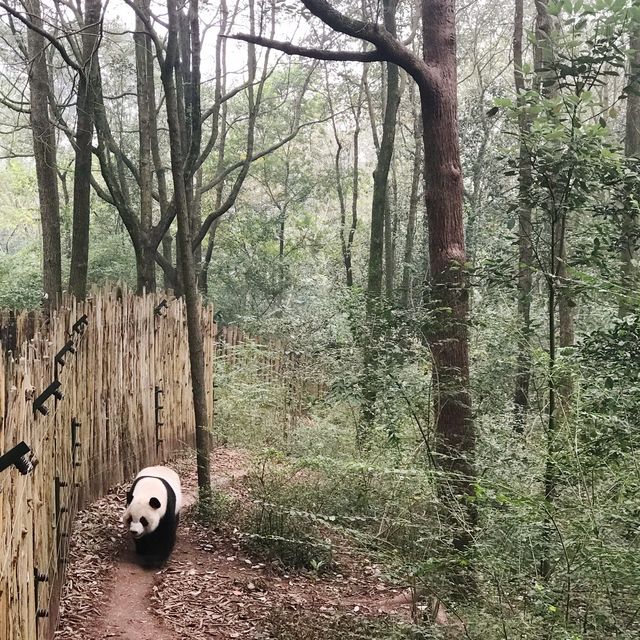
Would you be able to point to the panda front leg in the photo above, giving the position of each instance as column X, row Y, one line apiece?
column 148, row 553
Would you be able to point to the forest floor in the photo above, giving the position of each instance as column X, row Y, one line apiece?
column 210, row 588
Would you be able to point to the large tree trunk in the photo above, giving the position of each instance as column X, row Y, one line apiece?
column 185, row 254
column 435, row 74
column 84, row 155
column 145, row 267
column 630, row 229
column 44, row 150
column 448, row 335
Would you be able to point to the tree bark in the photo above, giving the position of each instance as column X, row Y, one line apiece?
column 185, row 255
column 145, row 256
column 44, row 149
column 84, row 154
column 405, row 287
column 630, row 229
column 448, row 336
column 525, row 234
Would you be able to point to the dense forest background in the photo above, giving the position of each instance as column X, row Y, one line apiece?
column 507, row 493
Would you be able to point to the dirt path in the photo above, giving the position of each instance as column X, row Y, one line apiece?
column 128, row 615
column 210, row 589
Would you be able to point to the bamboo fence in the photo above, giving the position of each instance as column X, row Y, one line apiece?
column 127, row 403
column 271, row 362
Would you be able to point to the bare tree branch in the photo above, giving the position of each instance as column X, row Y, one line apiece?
column 310, row 52
column 45, row 34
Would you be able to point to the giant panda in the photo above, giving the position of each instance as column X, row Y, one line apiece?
column 152, row 513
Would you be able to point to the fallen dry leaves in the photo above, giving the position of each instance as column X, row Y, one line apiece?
column 211, row 589
column 94, row 546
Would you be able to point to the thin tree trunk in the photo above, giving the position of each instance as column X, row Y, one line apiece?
column 220, row 116
column 525, row 232
column 389, row 213
column 405, row 288
column 357, row 112
column 630, row 229
column 346, row 240
column 167, row 252
column 371, row 369
column 185, row 255
column 560, row 329
column 84, row 155
column 381, row 180
column 44, row 149
column 203, row 281
column 545, row 27
column 145, row 258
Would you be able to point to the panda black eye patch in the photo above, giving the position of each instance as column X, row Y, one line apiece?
column 155, row 503
column 144, row 522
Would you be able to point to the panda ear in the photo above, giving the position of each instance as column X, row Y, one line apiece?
column 129, row 496
column 154, row 503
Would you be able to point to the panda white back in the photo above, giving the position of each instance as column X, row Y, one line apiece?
column 169, row 476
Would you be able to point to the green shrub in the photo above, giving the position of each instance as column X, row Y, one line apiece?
column 273, row 530
column 216, row 509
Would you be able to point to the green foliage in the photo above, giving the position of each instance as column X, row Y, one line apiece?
column 112, row 260
column 278, row 534
column 21, row 279
column 216, row 509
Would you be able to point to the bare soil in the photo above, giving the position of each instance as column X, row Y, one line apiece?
column 210, row 589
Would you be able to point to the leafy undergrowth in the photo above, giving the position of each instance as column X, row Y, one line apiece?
column 311, row 626
column 219, row 586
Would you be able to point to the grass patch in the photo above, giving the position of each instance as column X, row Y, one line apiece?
column 310, row 626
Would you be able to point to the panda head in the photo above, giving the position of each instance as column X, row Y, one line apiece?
column 146, row 506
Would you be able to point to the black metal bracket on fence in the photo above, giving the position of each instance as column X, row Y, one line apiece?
column 80, row 324
column 159, row 423
column 18, row 457
column 61, row 356
column 39, row 577
column 75, row 444
column 59, row 510
column 164, row 305
column 52, row 390
column 69, row 347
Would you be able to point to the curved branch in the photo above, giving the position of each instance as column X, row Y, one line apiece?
column 387, row 44
column 310, row 52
